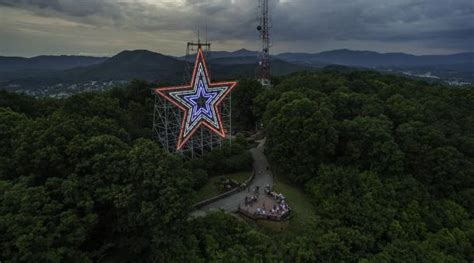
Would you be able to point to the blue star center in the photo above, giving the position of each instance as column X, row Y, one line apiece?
column 201, row 101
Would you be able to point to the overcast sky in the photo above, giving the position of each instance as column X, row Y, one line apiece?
column 106, row 27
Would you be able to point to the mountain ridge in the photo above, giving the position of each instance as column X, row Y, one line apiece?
column 347, row 57
column 374, row 59
column 47, row 62
column 145, row 65
column 156, row 67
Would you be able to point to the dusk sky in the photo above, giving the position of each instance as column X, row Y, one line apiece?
column 93, row 27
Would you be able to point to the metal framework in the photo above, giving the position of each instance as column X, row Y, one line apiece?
column 264, row 25
column 167, row 117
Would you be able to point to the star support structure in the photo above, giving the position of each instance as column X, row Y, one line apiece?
column 200, row 101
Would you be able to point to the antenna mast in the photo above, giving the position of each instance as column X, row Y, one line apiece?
column 263, row 72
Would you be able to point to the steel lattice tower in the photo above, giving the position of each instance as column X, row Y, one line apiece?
column 263, row 72
column 167, row 118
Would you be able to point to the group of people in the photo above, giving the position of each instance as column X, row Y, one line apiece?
column 267, row 189
column 279, row 197
column 277, row 209
column 249, row 200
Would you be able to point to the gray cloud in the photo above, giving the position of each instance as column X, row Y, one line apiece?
column 417, row 26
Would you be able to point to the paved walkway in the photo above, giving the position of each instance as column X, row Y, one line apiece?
column 262, row 178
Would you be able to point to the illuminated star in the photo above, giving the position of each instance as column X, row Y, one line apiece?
column 200, row 101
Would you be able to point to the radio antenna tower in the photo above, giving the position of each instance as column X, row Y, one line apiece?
column 263, row 72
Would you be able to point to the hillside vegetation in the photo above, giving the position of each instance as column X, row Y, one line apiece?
column 386, row 162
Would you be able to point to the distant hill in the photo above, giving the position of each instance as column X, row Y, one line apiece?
column 12, row 68
column 45, row 63
column 374, row 59
column 241, row 53
column 456, row 68
column 239, row 69
column 127, row 65
column 144, row 65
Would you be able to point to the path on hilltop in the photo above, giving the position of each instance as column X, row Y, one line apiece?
column 263, row 176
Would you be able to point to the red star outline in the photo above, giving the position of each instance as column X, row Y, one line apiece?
column 164, row 92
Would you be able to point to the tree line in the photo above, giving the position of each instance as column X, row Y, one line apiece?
column 388, row 163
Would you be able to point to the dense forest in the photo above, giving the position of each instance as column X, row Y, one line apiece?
column 387, row 162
